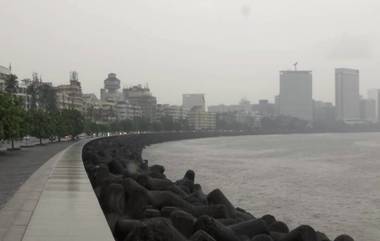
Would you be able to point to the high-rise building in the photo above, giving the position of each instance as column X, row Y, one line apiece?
column 90, row 101
column 142, row 97
column 70, row 96
column 374, row 96
column 110, row 92
column 367, row 110
column 296, row 94
column 172, row 111
column 190, row 101
column 201, row 120
column 124, row 110
column 347, row 97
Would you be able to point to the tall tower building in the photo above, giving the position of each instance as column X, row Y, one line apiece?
column 111, row 92
column 347, row 97
column 296, row 94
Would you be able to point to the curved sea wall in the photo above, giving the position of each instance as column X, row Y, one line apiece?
column 141, row 203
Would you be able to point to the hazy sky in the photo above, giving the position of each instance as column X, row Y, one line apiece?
column 227, row 49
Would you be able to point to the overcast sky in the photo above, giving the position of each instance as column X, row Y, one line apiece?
column 227, row 49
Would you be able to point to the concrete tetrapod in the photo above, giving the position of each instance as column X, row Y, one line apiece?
column 217, row 230
column 141, row 203
column 250, row 228
column 139, row 198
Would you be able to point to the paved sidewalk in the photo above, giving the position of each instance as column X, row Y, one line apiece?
column 16, row 213
column 57, row 203
column 17, row 166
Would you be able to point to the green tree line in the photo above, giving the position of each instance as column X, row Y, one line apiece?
column 41, row 119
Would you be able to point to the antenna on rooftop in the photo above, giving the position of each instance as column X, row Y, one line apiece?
column 295, row 66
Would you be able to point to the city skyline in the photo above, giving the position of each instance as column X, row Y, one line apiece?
column 363, row 92
column 225, row 49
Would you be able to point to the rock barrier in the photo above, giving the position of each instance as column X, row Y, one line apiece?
column 141, row 204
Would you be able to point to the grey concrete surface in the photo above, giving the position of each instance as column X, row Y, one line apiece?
column 16, row 213
column 57, row 203
column 17, row 166
column 68, row 209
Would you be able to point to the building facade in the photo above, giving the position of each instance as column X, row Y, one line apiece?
column 175, row 112
column 22, row 93
column 296, row 94
column 70, row 96
column 367, row 110
column 110, row 92
column 142, row 97
column 126, row 111
column 374, row 97
column 347, row 97
column 201, row 120
column 193, row 100
column 264, row 108
column 4, row 74
column 224, row 108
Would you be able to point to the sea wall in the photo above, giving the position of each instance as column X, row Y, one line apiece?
column 141, row 203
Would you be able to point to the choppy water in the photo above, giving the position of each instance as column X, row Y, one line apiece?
column 329, row 181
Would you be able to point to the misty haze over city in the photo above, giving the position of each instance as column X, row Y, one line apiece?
column 196, row 120
column 225, row 49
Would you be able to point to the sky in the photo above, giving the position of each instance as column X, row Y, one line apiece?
column 227, row 49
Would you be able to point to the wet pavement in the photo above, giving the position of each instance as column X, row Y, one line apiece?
column 57, row 203
column 17, row 166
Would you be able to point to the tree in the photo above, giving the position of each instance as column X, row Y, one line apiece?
column 11, row 117
column 167, row 123
column 91, row 128
column 32, row 90
column 11, row 84
column 43, row 96
column 1, row 130
column 127, row 125
column 40, row 124
column 3, row 103
column 60, row 125
column 142, row 124
column 157, row 126
column 47, row 98
column 74, row 121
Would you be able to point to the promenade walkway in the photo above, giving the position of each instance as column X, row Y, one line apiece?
column 17, row 166
column 56, row 203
